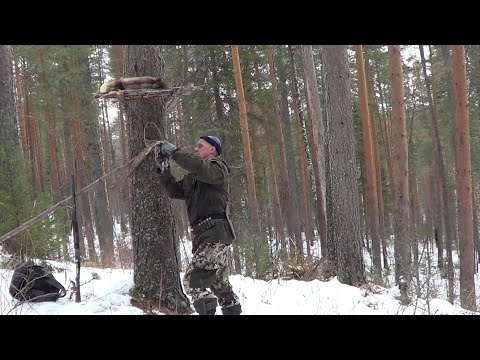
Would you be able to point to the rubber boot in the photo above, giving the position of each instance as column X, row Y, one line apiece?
column 206, row 306
column 232, row 310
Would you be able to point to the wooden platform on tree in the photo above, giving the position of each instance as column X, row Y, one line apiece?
column 168, row 94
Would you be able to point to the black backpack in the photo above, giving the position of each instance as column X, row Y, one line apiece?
column 31, row 282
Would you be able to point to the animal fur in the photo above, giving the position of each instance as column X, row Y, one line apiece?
column 113, row 85
column 141, row 82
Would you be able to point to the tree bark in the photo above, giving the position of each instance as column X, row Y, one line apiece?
column 378, row 177
column 400, row 199
column 305, row 217
column 316, row 141
column 252, row 195
column 279, row 220
column 370, row 175
column 441, row 173
column 281, row 144
column 343, row 205
column 463, row 174
column 156, row 266
column 290, row 197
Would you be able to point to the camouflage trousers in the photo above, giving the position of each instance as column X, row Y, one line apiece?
column 208, row 269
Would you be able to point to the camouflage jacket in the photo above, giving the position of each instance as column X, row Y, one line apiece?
column 205, row 191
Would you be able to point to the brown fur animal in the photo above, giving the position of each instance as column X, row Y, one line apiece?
column 113, row 85
column 143, row 82
column 140, row 82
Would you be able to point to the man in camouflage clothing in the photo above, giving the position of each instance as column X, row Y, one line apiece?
column 205, row 191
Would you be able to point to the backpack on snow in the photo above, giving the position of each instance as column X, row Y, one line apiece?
column 32, row 283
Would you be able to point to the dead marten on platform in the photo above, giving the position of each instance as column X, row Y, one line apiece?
column 141, row 82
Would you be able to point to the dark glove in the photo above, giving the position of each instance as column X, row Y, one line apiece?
column 167, row 149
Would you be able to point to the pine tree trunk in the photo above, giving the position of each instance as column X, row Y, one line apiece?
column 124, row 253
column 51, row 131
column 279, row 219
column 368, row 158
column 291, row 198
column 378, row 177
column 414, row 211
column 8, row 115
column 281, row 145
column 316, row 141
column 428, row 207
column 463, row 173
column 156, row 266
column 252, row 196
column 305, row 215
column 343, row 208
column 386, row 143
column 257, row 155
column 68, row 155
column 79, row 161
column 9, row 150
column 20, row 101
column 33, row 134
column 401, row 192
column 259, row 171
column 102, row 216
column 251, row 191
column 442, row 178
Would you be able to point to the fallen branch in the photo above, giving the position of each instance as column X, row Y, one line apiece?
column 130, row 165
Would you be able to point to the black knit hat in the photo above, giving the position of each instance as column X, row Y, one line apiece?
column 212, row 140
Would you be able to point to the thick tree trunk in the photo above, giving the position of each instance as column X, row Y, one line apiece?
column 156, row 266
column 343, row 206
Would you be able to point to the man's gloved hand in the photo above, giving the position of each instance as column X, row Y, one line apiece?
column 162, row 156
column 167, row 149
column 163, row 166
